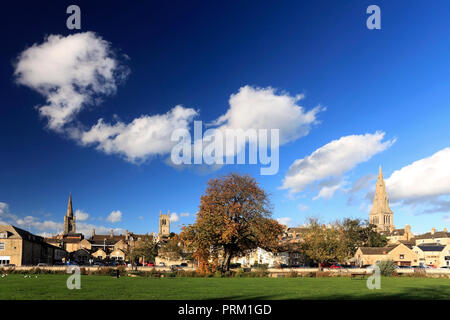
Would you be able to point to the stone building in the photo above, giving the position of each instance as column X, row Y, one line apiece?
column 381, row 214
column 164, row 225
column 20, row 247
column 439, row 237
column 69, row 219
column 401, row 254
column 433, row 254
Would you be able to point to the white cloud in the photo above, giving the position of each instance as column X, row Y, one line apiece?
column 425, row 178
column 284, row 221
column 114, row 216
column 33, row 223
column 70, row 72
column 263, row 108
column 327, row 192
column 333, row 160
column 81, row 215
column 174, row 217
column 141, row 138
column 302, row 207
column 184, row 214
column 86, row 229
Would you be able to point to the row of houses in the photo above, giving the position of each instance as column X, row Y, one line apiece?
column 20, row 247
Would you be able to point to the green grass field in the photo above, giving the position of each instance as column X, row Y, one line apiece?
column 105, row 287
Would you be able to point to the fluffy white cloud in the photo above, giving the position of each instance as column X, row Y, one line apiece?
column 70, row 72
column 425, row 178
column 114, row 216
column 263, row 108
column 141, row 138
column 86, row 229
column 33, row 223
column 327, row 192
column 333, row 160
column 174, row 217
column 284, row 221
column 81, row 215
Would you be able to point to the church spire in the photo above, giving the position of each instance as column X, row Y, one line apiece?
column 380, row 200
column 381, row 214
column 69, row 206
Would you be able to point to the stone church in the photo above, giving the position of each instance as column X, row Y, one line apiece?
column 382, row 216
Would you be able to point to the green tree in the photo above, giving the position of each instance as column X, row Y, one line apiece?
column 173, row 249
column 357, row 233
column 146, row 248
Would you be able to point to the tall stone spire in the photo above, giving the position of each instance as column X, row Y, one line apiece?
column 381, row 214
column 69, row 206
column 69, row 219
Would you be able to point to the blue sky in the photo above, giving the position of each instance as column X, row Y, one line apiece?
column 393, row 81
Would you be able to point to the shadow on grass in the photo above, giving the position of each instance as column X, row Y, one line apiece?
column 411, row 293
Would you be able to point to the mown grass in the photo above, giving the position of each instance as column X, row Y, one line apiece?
column 106, row 288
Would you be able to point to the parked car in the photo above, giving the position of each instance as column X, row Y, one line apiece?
column 335, row 266
column 98, row 264
column 41, row 264
column 183, row 265
column 150, row 264
column 161, row 264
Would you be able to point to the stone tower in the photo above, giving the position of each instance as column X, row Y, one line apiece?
column 69, row 219
column 164, row 224
column 381, row 215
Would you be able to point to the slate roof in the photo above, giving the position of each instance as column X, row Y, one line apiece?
column 437, row 234
column 431, row 247
column 377, row 250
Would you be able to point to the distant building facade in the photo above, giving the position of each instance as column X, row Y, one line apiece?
column 164, row 225
column 20, row 248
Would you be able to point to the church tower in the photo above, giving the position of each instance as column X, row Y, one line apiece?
column 381, row 215
column 164, row 224
column 69, row 219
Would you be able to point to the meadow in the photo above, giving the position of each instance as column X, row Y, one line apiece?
column 49, row 287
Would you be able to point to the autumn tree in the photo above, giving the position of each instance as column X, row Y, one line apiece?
column 234, row 218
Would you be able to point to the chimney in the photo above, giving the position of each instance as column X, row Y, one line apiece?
column 433, row 230
column 93, row 232
column 112, row 233
column 127, row 235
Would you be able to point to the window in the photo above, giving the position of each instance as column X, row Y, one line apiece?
column 2, row 246
column 402, row 256
column 3, row 235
